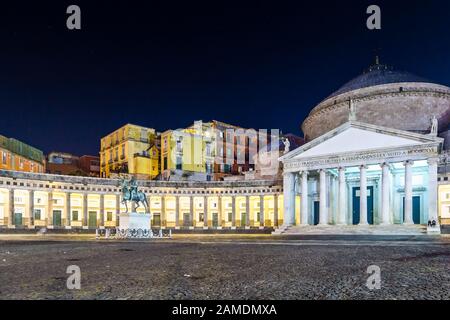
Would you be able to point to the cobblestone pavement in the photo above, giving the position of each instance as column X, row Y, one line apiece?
column 244, row 268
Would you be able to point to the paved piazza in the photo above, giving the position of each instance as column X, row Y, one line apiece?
column 224, row 267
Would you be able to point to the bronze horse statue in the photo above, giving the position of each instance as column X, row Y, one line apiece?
column 133, row 195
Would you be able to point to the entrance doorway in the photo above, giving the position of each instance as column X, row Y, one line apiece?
column 92, row 220
column 187, row 219
column 316, row 212
column 215, row 219
column 18, row 219
column 415, row 207
column 243, row 219
column 356, row 203
column 57, row 218
column 156, row 219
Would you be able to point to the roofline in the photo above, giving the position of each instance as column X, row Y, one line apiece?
column 360, row 125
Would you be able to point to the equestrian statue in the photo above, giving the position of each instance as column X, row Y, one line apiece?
column 131, row 193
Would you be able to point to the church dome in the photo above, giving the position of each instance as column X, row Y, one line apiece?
column 375, row 75
column 385, row 97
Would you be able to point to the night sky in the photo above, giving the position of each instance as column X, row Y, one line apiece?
column 164, row 64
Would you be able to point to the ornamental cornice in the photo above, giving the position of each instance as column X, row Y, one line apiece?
column 366, row 157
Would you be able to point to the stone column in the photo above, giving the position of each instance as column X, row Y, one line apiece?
column 205, row 212
column 363, row 195
column 31, row 208
column 385, row 201
column 275, row 211
column 11, row 221
column 219, row 209
column 342, row 211
column 408, row 193
column 247, row 208
column 433, row 190
column 102, row 210
column 68, row 210
column 323, row 215
column 192, row 210
column 163, row 212
column 233, row 211
column 50, row 209
column 289, row 198
column 261, row 211
column 85, row 210
column 304, row 200
column 177, row 211
column 117, row 209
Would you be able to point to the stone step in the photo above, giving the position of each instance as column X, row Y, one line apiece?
column 354, row 230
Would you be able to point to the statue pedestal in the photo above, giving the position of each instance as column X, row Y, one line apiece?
column 134, row 225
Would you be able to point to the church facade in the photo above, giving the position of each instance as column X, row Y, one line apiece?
column 373, row 154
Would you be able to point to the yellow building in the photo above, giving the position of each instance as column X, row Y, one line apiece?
column 18, row 156
column 187, row 152
column 131, row 149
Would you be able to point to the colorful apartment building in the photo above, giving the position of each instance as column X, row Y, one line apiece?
column 209, row 151
column 131, row 149
column 68, row 164
column 18, row 156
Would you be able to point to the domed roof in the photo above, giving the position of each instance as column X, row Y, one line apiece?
column 377, row 74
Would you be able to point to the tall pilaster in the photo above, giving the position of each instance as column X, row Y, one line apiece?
column 304, row 199
column 385, row 194
column 432, row 190
column 233, row 211
column 289, row 198
column 323, row 214
column 68, row 209
column 342, row 211
column 11, row 221
column 192, row 212
column 363, row 195
column 221, row 217
column 275, row 211
column 31, row 208
column 205, row 213
column 117, row 209
column 50, row 209
column 85, row 210
column 408, row 193
column 163, row 212
column 102, row 210
column 261, row 211
column 247, row 209
column 177, row 211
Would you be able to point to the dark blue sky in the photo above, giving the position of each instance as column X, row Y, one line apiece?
column 164, row 64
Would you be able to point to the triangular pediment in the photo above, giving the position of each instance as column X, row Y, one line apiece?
column 354, row 137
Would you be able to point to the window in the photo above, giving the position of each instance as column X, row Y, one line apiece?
column 201, row 217
column 258, row 217
column 37, row 214
column 4, row 157
column 143, row 135
column 230, row 216
column 75, row 215
column 179, row 165
column 164, row 163
column 109, row 216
